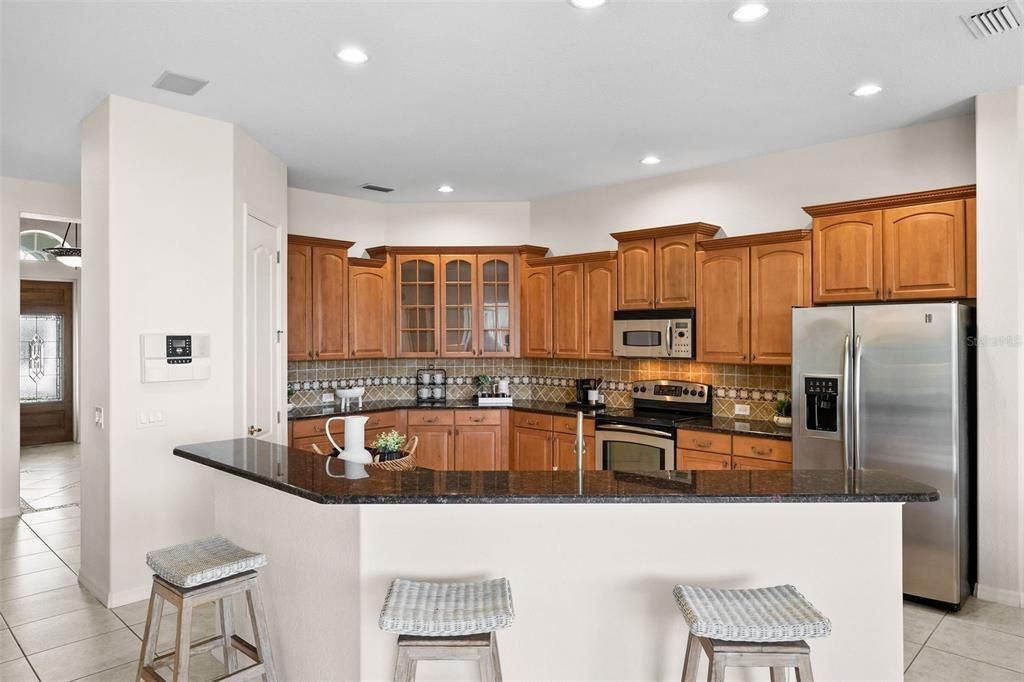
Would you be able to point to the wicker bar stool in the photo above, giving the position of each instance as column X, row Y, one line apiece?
column 754, row 628
column 447, row 622
column 194, row 573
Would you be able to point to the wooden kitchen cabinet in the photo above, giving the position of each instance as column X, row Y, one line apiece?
column 914, row 246
column 762, row 448
column 537, row 313
column 780, row 280
column 532, row 449
column 568, row 308
column 636, row 274
column 848, row 257
column 436, row 445
column 459, row 331
column 695, row 460
column 599, row 300
column 417, row 305
column 371, row 319
column 971, row 228
column 723, row 305
column 924, row 251
column 477, row 448
column 674, row 271
column 656, row 266
column 317, row 298
column 564, row 454
column 497, row 308
column 752, row 463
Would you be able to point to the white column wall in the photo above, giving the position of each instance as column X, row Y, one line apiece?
column 18, row 196
column 1000, row 159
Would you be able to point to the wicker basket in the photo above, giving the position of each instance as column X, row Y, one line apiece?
column 407, row 463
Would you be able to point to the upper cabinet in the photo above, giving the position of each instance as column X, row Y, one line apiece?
column 747, row 287
column 568, row 302
column 317, row 298
column 371, row 321
column 656, row 266
column 970, row 222
column 456, row 302
column 903, row 247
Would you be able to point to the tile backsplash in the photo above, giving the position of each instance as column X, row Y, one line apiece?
column 542, row 379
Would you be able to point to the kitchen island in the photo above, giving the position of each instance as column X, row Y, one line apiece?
column 592, row 558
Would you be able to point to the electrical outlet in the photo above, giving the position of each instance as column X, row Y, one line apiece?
column 741, row 410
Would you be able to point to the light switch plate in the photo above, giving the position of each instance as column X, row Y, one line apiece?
column 741, row 410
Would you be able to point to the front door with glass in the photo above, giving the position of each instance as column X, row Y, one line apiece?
column 45, row 362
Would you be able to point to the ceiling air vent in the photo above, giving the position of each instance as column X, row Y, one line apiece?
column 994, row 21
column 183, row 85
column 377, row 188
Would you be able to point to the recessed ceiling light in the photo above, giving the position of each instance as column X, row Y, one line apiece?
column 867, row 90
column 445, row 189
column 650, row 160
column 352, row 55
column 752, row 11
column 586, row 4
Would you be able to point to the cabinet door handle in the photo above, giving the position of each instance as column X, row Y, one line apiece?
column 702, row 443
column 889, row 293
column 726, row 463
column 762, row 452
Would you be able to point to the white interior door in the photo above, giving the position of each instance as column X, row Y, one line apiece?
column 262, row 314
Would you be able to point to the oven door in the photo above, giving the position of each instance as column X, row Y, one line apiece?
column 643, row 338
column 622, row 447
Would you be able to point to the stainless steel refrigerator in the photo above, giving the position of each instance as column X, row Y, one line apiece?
column 887, row 387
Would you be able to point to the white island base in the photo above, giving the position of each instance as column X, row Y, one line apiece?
column 592, row 583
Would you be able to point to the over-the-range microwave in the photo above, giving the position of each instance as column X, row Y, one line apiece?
column 665, row 333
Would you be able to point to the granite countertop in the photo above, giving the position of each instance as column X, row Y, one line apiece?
column 334, row 409
column 753, row 427
column 302, row 473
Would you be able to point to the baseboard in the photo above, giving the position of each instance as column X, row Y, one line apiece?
column 999, row 595
column 92, row 588
column 129, row 596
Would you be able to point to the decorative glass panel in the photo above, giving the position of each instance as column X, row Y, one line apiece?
column 41, row 362
column 496, row 306
column 32, row 243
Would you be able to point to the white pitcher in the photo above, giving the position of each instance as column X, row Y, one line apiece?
column 354, row 453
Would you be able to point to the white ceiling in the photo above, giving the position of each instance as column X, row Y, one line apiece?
column 505, row 101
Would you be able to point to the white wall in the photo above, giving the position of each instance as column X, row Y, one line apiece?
column 170, row 189
column 764, row 193
column 369, row 223
column 1000, row 128
column 18, row 196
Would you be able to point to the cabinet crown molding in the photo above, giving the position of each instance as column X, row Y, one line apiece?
column 892, row 201
column 706, row 229
column 319, row 241
column 367, row 262
column 754, row 239
column 573, row 258
column 526, row 249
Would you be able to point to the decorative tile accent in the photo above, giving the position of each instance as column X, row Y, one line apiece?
column 538, row 379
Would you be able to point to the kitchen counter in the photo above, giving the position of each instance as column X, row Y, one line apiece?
column 370, row 406
column 303, row 474
column 751, row 427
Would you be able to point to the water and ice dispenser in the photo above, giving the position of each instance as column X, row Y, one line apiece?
column 821, row 394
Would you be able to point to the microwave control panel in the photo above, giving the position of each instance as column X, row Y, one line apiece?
column 175, row 357
column 682, row 339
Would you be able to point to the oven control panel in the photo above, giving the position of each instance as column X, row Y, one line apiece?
column 672, row 391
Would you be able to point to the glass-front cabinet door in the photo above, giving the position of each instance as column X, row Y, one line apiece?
column 458, row 303
column 497, row 305
column 417, row 306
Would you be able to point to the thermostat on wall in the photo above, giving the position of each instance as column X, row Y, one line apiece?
column 175, row 357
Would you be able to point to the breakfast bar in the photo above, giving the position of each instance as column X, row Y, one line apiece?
column 592, row 557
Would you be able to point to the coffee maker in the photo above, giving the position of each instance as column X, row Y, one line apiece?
column 583, row 387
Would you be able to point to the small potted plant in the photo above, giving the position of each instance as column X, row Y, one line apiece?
column 483, row 384
column 783, row 412
column 388, row 446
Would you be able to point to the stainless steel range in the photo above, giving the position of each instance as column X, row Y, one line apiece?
column 644, row 438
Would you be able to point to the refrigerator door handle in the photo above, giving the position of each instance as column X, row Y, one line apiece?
column 858, row 350
column 845, row 416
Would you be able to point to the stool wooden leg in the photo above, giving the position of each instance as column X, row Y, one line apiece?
column 495, row 659
column 227, row 630
column 405, row 666
column 183, row 641
column 803, row 669
column 151, row 633
column 778, row 674
column 692, row 659
column 261, row 632
column 716, row 669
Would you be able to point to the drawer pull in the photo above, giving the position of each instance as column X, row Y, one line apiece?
column 476, row 419
column 430, row 420
column 318, row 429
column 702, row 443
column 531, row 422
column 760, row 451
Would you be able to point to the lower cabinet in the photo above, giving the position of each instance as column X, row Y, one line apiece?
column 548, row 443
column 477, row 448
column 704, row 450
column 564, row 455
column 436, row 443
column 459, row 440
column 305, row 433
column 532, row 450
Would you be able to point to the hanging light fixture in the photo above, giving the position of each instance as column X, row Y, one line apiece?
column 70, row 256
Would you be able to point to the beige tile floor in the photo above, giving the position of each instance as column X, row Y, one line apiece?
column 51, row 629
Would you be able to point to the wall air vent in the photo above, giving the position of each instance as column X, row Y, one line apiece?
column 377, row 188
column 183, row 85
column 994, row 21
